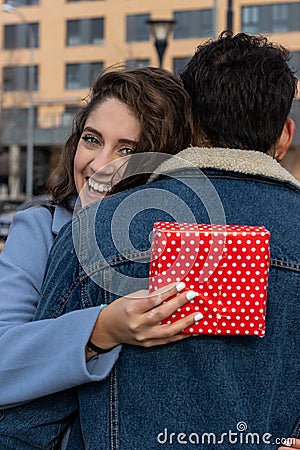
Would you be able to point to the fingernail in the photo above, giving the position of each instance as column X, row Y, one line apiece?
column 180, row 286
column 198, row 316
column 190, row 295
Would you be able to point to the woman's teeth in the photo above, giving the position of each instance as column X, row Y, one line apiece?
column 97, row 187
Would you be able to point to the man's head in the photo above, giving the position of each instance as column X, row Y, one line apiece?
column 242, row 90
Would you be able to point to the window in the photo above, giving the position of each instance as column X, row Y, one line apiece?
column 280, row 18
column 136, row 28
column 16, row 78
column 71, row 109
column 68, row 116
column 295, row 63
column 18, row 36
column 250, row 22
column 73, row 32
column 82, row 75
column 272, row 18
column 190, row 24
column 137, row 62
column 22, row 2
column 179, row 63
column 18, row 117
column 85, row 32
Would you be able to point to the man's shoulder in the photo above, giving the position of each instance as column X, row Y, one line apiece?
column 129, row 196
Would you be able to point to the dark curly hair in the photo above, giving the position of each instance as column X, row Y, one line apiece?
column 242, row 89
column 158, row 101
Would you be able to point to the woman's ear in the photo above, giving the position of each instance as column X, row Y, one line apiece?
column 285, row 139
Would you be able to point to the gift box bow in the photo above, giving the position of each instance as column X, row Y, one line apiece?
column 226, row 264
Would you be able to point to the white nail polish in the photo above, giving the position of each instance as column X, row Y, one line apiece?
column 198, row 316
column 190, row 295
column 180, row 286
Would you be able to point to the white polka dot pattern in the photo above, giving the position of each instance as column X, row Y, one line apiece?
column 227, row 265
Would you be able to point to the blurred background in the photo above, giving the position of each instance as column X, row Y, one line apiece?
column 51, row 51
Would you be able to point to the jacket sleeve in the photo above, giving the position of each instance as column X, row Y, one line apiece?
column 42, row 357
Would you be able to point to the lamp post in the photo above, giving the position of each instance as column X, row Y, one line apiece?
column 30, row 115
column 214, row 19
column 160, row 31
column 229, row 15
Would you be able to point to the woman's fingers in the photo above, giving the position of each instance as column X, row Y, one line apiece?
column 136, row 319
column 164, row 310
column 143, row 301
column 148, row 312
column 158, row 334
column 154, row 342
column 157, row 306
column 168, row 331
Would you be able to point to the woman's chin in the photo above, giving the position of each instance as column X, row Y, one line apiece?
column 90, row 197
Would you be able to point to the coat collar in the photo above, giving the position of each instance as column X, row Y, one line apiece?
column 60, row 218
column 246, row 162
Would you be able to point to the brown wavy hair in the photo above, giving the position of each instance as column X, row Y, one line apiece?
column 157, row 100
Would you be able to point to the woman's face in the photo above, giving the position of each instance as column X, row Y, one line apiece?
column 110, row 134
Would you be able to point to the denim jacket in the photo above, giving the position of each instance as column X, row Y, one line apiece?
column 212, row 391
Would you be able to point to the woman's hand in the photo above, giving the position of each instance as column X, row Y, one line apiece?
column 136, row 318
column 295, row 444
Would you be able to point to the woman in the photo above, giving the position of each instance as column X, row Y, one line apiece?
column 130, row 111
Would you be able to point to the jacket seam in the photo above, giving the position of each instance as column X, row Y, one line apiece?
column 296, row 431
column 114, row 261
column 188, row 173
column 290, row 265
column 64, row 299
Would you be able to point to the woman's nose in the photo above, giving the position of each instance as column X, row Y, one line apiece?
column 103, row 162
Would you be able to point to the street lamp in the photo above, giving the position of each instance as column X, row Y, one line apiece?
column 229, row 15
column 30, row 116
column 160, row 31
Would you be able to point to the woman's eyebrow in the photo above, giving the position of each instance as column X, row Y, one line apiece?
column 91, row 130
column 127, row 141
column 122, row 141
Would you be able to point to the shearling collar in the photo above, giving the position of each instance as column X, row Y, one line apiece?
column 247, row 162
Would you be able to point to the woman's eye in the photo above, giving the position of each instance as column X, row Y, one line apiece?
column 126, row 151
column 89, row 138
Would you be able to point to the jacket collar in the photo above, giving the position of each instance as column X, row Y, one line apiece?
column 60, row 218
column 246, row 162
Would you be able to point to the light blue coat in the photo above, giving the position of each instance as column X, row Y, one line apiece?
column 42, row 357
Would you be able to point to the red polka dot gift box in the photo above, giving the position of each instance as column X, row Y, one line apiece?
column 227, row 265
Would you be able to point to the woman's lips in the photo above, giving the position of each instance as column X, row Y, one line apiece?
column 99, row 188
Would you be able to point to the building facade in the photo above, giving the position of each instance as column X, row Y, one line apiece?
column 51, row 50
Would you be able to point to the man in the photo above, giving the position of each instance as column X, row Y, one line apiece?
column 210, row 391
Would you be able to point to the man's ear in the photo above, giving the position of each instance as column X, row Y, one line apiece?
column 285, row 139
